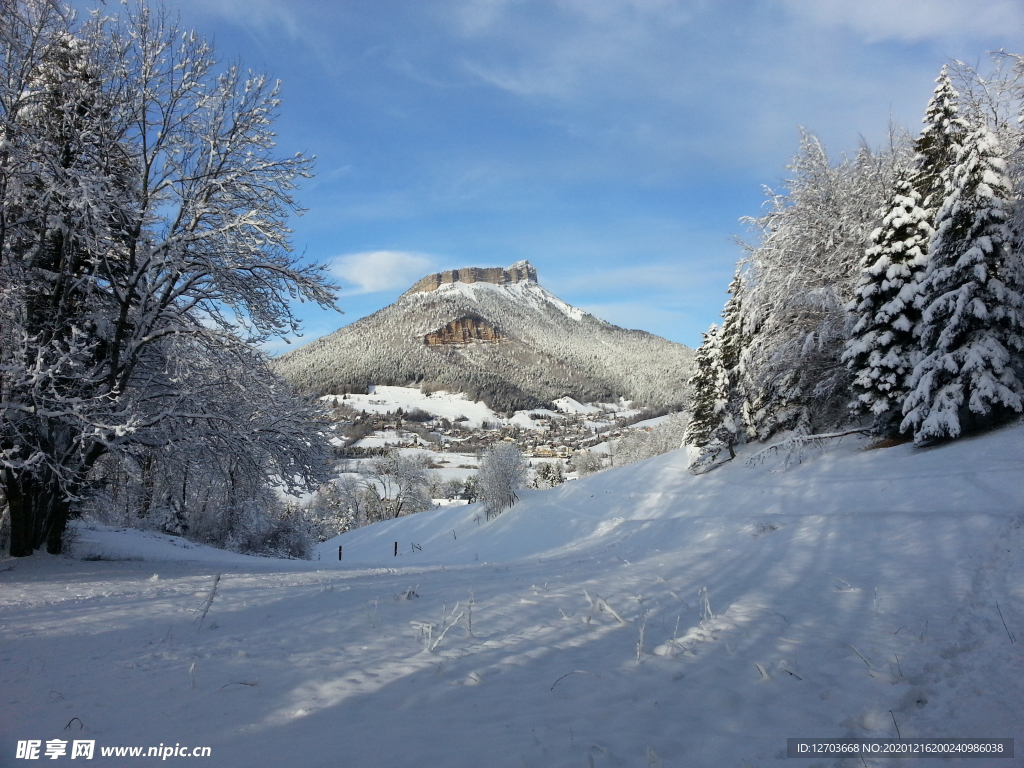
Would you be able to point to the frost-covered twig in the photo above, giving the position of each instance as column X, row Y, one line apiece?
column 640, row 635
column 598, row 604
column 574, row 672
column 1012, row 641
column 372, row 619
column 426, row 631
column 444, row 631
column 205, row 607
column 674, row 642
column 862, row 657
column 705, row 612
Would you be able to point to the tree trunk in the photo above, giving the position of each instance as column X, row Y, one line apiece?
column 39, row 510
column 21, row 517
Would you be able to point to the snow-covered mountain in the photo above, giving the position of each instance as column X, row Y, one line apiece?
column 499, row 336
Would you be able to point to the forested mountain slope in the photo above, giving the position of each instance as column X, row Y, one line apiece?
column 499, row 336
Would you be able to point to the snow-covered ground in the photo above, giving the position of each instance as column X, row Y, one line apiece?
column 855, row 593
column 568, row 405
column 447, row 405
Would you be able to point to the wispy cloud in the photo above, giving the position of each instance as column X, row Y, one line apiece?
column 563, row 49
column 913, row 20
column 375, row 271
column 264, row 15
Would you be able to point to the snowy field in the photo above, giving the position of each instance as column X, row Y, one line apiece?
column 639, row 617
column 385, row 399
column 382, row 399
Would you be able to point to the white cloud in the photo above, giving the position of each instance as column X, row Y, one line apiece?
column 375, row 271
column 264, row 15
column 567, row 48
column 912, row 20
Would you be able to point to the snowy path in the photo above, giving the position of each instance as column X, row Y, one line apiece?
column 842, row 618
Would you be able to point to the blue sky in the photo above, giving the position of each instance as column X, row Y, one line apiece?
column 613, row 143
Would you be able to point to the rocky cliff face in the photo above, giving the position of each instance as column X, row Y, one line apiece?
column 462, row 331
column 520, row 272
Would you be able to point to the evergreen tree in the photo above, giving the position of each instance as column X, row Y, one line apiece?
column 937, row 145
column 731, row 409
column 883, row 349
column 971, row 323
column 732, row 323
column 708, row 392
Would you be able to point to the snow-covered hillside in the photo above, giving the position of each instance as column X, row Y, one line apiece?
column 448, row 405
column 642, row 616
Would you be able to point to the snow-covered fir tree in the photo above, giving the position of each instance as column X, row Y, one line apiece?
column 717, row 400
column 937, row 145
column 971, row 323
column 709, row 387
column 730, row 409
column 883, row 349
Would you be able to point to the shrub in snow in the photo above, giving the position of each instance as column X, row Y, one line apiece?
column 639, row 444
column 336, row 507
column 502, row 474
column 396, row 485
column 548, row 475
column 798, row 281
column 586, row 463
column 417, row 415
column 217, row 487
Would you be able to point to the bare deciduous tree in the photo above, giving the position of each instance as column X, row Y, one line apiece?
column 396, row 485
column 502, row 475
column 143, row 248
